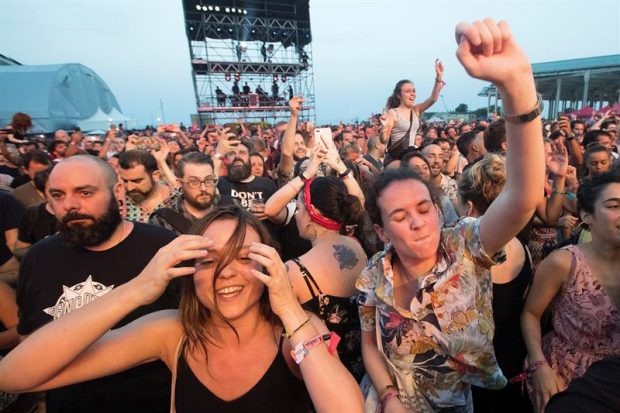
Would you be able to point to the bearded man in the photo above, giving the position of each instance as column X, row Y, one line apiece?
column 248, row 190
column 94, row 251
column 144, row 193
column 195, row 173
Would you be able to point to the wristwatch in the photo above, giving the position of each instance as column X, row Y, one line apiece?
column 529, row 116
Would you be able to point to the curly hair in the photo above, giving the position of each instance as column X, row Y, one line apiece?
column 483, row 182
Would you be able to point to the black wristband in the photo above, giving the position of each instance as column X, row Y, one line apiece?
column 345, row 173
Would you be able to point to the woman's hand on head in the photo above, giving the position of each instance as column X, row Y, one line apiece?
column 281, row 295
column 163, row 267
column 487, row 51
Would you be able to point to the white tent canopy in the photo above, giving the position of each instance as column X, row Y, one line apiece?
column 57, row 96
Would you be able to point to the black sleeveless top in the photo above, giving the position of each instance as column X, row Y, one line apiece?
column 277, row 391
column 340, row 315
column 510, row 351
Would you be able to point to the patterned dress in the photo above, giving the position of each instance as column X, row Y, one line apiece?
column 443, row 342
column 586, row 324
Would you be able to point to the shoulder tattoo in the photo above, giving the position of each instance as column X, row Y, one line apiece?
column 346, row 257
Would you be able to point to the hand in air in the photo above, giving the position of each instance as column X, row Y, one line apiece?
column 487, row 51
column 295, row 105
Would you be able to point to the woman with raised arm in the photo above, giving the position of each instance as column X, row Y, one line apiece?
column 401, row 121
column 425, row 303
column 478, row 187
column 581, row 284
column 240, row 341
column 323, row 278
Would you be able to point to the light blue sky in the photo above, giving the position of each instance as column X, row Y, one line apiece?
column 361, row 48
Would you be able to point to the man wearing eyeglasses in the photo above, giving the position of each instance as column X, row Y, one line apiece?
column 198, row 194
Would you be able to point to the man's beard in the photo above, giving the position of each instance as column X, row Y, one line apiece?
column 200, row 205
column 237, row 172
column 90, row 235
column 139, row 196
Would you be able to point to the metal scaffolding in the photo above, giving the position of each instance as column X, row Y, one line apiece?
column 233, row 53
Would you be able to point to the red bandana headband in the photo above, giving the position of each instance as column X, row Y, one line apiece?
column 314, row 214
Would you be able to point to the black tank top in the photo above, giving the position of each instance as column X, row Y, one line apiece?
column 340, row 315
column 508, row 302
column 277, row 391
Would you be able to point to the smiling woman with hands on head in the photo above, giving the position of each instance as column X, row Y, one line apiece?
column 240, row 340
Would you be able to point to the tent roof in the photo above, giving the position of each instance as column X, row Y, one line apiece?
column 56, row 96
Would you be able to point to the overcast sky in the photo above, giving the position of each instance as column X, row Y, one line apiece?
column 361, row 48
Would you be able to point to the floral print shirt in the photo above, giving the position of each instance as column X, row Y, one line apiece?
column 443, row 342
column 134, row 212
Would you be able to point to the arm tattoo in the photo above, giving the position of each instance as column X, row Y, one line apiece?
column 346, row 256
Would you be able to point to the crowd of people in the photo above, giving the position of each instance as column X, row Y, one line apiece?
column 394, row 265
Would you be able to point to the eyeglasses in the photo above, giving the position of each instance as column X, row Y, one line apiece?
column 195, row 182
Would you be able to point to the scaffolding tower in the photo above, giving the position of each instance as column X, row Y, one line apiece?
column 249, row 57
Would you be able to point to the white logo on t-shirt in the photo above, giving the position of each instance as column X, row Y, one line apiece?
column 77, row 296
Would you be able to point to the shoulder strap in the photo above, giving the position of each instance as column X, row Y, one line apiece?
column 180, row 348
column 178, row 221
column 410, row 126
column 307, row 278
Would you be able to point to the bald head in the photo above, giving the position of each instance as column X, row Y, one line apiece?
column 88, row 163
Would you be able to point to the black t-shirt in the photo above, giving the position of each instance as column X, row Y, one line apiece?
column 56, row 279
column 36, row 224
column 597, row 391
column 10, row 214
column 19, row 181
column 7, row 170
column 259, row 188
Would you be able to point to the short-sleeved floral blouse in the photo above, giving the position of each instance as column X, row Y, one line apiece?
column 444, row 341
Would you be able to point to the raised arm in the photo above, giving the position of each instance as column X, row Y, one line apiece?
column 439, row 84
column 275, row 208
column 161, row 155
column 103, row 152
column 549, row 210
column 288, row 140
column 487, row 51
column 29, row 366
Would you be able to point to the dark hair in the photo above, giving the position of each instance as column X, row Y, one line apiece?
column 590, row 189
column 592, row 136
column 575, row 122
column 297, row 169
column 404, row 161
column 21, row 122
column 258, row 155
column 41, row 177
column 384, row 180
column 593, row 148
column 556, row 134
column 135, row 157
column 35, row 156
column 54, row 144
column 194, row 316
column 465, row 141
column 331, row 197
column 495, row 136
column 194, row 158
column 394, row 100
